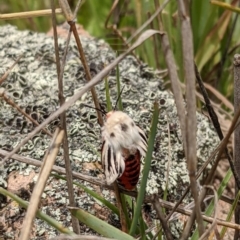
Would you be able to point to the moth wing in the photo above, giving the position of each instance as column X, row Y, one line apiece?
column 113, row 162
column 142, row 144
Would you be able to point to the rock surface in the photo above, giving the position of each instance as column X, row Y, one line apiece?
column 32, row 84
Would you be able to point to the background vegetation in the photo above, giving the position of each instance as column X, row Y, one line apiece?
column 215, row 34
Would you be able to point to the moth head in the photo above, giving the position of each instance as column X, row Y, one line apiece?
column 109, row 114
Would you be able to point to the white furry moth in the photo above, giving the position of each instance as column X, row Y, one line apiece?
column 124, row 144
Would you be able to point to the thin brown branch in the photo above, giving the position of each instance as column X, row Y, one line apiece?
column 70, row 18
column 120, row 206
column 46, row 168
column 60, row 170
column 162, row 218
column 216, row 125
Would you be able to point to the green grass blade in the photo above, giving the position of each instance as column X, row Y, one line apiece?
column 101, row 199
column 210, row 207
column 52, row 222
column 230, row 214
column 146, row 170
column 99, row 226
column 142, row 228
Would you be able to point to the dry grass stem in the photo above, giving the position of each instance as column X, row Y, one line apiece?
column 66, row 10
column 191, row 121
column 236, row 65
column 162, row 218
column 216, row 124
column 220, row 96
column 175, row 82
column 60, row 170
column 8, row 100
column 46, row 168
column 70, row 18
column 30, row 14
column 122, row 216
column 75, row 223
column 186, row 212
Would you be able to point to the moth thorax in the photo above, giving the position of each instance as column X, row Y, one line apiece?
column 126, row 152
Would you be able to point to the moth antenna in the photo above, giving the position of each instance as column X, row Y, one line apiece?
column 100, row 110
column 118, row 99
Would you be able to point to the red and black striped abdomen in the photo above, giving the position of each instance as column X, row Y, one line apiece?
column 130, row 176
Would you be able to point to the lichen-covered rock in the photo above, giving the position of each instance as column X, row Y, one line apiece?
column 32, row 84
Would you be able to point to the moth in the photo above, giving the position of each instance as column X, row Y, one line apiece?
column 124, row 143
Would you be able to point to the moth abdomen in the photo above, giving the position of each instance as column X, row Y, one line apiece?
column 131, row 173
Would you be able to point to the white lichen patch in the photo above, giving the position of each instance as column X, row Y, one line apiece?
column 33, row 86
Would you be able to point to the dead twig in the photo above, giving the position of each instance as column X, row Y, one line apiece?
column 41, row 182
column 211, row 228
column 216, row 124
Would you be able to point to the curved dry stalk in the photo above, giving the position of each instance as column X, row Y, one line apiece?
column 46, row 168
column 211, row 228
